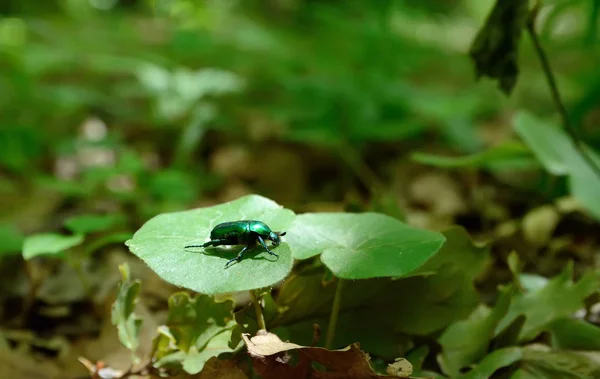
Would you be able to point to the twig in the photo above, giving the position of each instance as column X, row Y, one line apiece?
column 335, row 311
column 562, row 110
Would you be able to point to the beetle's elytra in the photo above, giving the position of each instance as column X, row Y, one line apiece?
column 243, row 232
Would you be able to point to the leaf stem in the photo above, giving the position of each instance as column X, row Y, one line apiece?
column 260, row 319
column 550, row 79
column 362, row 171
column 335, row 311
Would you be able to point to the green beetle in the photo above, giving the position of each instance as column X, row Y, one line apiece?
column 243, row 232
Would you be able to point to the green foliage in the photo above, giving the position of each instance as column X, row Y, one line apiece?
column 540, row 362
column 160, row 243
column 50, row 244
column 507, row 156
column 493, row 362
column 360, row 246
column 197, row 329
column 467, row 341
column 347, row 91
column 11, row 240
column 437, row 294
column 556, row 299
column 93, row 223
column 556, row 152
column 569, row 333
column 123, row 317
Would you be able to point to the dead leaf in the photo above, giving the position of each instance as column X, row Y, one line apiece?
column 401, row 367
column 272, row 360
column 221, row 369
column 495, row 50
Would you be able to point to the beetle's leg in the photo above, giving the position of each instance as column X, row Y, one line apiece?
column 237, row 257
column 262, row 242
column 209, row 243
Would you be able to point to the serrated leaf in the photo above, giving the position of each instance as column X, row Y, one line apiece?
column 160, row 243
column 49, row 244
column 493, row 362
column 509, row 155
column 467, row 341
column 495, row 50
column 361, row 246
column 559, row 298
column 123, row 316
column 196, row 329
column 93, row 223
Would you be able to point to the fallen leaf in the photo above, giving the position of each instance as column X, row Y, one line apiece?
column 271, row 358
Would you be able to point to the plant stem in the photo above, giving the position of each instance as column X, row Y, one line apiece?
column 562, row 110
column 260, row 319
column 335, row 310
column 363, row 172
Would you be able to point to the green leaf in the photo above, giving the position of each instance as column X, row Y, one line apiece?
column 495, row 50
column 93, row 223
column 555, row 150
column 196, row 330
column 467, row 341
column 160, row 243
column 11, row 240
column 49, row 244
column 549, row 144
column 509, row 155
column 540, row 362
column 123, row 316
column 559, row 298
column 439, row 293
column 493, row 362
column 360, row 246
column 574, row 334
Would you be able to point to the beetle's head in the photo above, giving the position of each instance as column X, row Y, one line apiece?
column 274, row 236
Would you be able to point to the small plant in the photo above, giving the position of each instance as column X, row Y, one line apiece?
column 352, row 246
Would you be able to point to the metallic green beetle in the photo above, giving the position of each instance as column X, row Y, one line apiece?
column 243, row 232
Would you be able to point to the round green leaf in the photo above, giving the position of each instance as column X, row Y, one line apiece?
column 160, row 243
column 49, row 244
column 360, row 246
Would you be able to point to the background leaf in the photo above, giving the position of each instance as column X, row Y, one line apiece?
column 123, row 317
column 507, row 156
column 493, row 362
column 467, row 341
column 558, row 298
column 92, row 223
column 556, row 152
column 575, row 334
column 160, row 243
column 197, row 329
column 49, row 244
column 360, row 246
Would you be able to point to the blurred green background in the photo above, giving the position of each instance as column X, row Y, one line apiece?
column 149, row 106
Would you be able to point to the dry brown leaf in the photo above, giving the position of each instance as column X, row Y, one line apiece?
column 221, row 369
column 271, row 358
